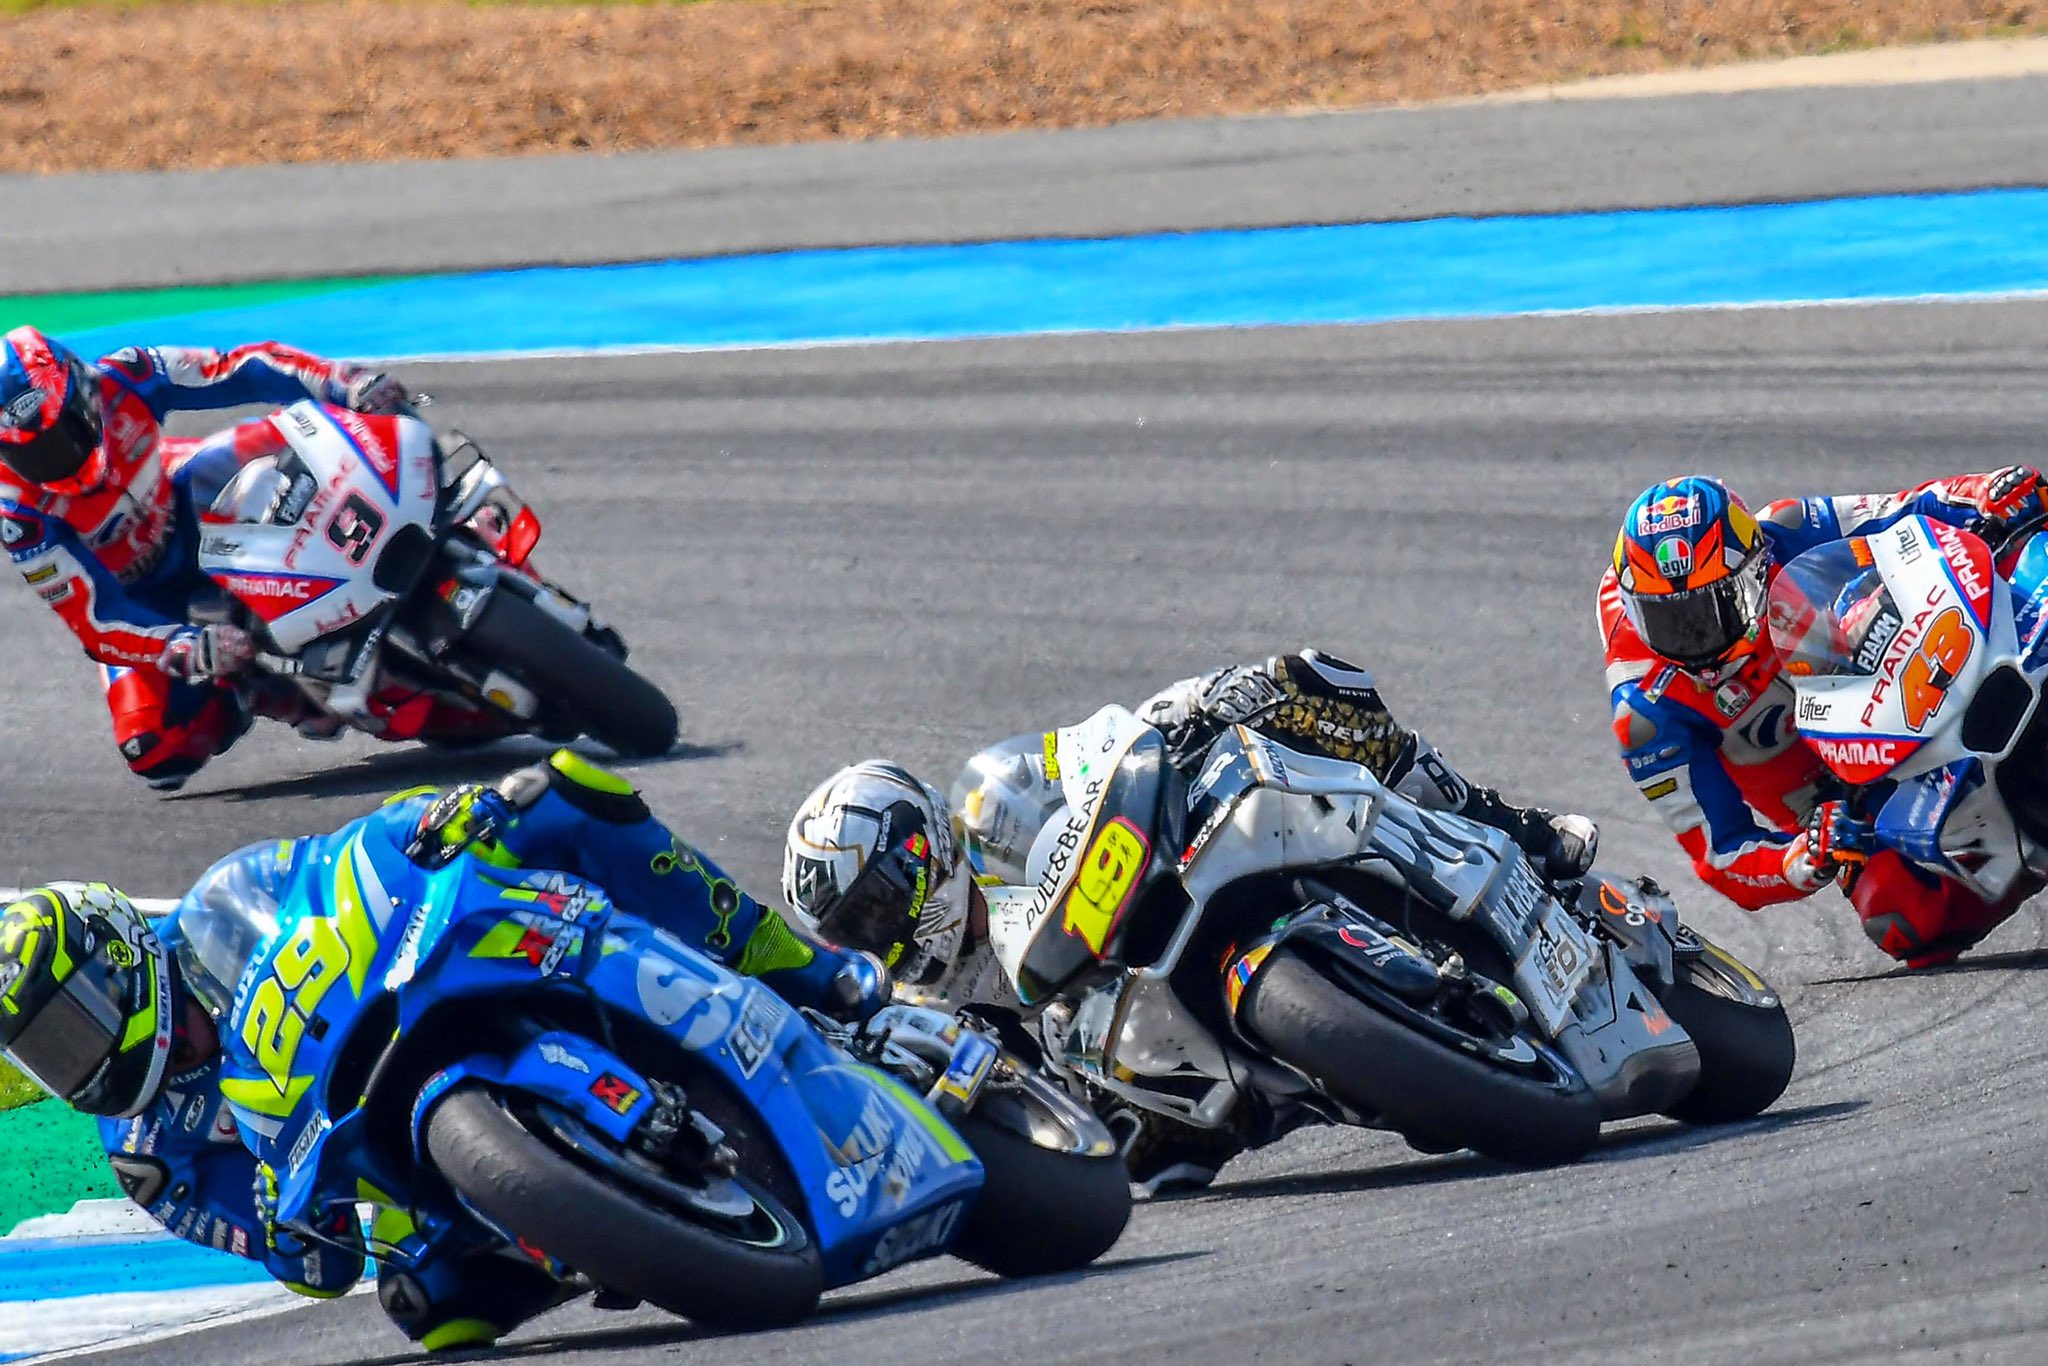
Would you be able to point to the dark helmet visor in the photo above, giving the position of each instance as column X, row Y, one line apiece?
column 1699, row 627
column 68, row 1043
column 61, row 450
column 879, row 912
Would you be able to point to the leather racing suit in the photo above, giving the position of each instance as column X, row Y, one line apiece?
column 1719, row 755
column 118, row 563
column 183, row 1160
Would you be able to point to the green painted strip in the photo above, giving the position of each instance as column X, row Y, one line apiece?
column 50, row 1159
column 61, row 313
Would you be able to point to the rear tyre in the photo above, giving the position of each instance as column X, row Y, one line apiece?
column 1039, row 1211
column 1426, row 1089
column 571, row 672
column 1746, row 1051
column 758, row 1269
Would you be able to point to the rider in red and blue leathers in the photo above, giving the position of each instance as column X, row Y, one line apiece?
column 182, row 1156
column 1707, row 725
column 98, row 510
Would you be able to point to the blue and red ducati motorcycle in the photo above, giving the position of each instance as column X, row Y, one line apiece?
column 501, row 1059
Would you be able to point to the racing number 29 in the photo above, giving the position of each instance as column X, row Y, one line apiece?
column 355, row 526
column 279, row 1011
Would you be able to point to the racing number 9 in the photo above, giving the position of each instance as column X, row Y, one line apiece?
column 280, row 1009
column 355, row 526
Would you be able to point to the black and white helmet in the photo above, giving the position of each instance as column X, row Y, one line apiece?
column 867, row 866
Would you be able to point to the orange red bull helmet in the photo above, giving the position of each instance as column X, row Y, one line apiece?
column 1693, row 568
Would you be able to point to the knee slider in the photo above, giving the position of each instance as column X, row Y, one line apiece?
column 592, row 790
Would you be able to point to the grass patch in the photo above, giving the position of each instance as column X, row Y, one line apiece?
column 1846, row 39
column 17, row 1090
column 1631, row 35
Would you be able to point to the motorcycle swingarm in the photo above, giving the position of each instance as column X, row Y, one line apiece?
column 1379, row 959
column 1340, row 928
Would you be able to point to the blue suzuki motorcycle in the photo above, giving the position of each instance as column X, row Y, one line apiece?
column 501, row 1059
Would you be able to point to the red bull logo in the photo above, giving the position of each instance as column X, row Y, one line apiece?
column 1673, row 512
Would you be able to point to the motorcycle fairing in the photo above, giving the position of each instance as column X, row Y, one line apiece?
column 1301, row 811
column 2030, row 590
column 1894, row 720
column 1094, row 860
column 308, row 567
column 1642, row 921
column 1952, row 821
column 1965, row 791
column 359, row 923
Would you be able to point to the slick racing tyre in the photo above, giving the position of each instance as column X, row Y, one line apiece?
column 568, row 670
column 1040, row 1210
column 1746, row 1050
column 1439, row 1096
column 725, row 1253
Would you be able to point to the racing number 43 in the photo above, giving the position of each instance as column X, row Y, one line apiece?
column 308, row 965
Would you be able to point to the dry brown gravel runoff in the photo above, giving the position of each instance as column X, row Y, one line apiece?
column 209, row 84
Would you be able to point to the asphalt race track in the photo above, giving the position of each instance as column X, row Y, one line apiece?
column 904, row 550
column 910, row 550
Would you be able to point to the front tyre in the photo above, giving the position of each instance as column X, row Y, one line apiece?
column 1041, row 1210
column 569, row 670
column 1437, row 1095
column 735, row 1259
column 1745, row 1045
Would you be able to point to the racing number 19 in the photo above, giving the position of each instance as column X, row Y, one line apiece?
column 280, row 1009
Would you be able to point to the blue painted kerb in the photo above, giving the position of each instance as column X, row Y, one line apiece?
column 1883, row 247
column 57, row 1269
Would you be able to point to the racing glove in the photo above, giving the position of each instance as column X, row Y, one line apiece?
column 375, row 392
column 1238, row 696
column 1833, row 845
column 859, row 989
column 471, row 814
column 2007, row 492
column 203, row 652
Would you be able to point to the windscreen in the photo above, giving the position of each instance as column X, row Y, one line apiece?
column 1831, row 614
column 226, row 919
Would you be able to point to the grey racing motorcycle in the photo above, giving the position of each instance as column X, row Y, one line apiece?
column 1283, row 935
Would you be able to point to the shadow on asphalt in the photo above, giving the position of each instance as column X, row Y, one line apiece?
column 394, row 770
column 640, row 1335
column 1648, row 1140
column 2024, row 960
column 1666, row 1136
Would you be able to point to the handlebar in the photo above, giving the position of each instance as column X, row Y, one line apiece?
column 2016, row 533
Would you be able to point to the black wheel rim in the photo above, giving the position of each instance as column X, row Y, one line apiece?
column 734, row 1206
